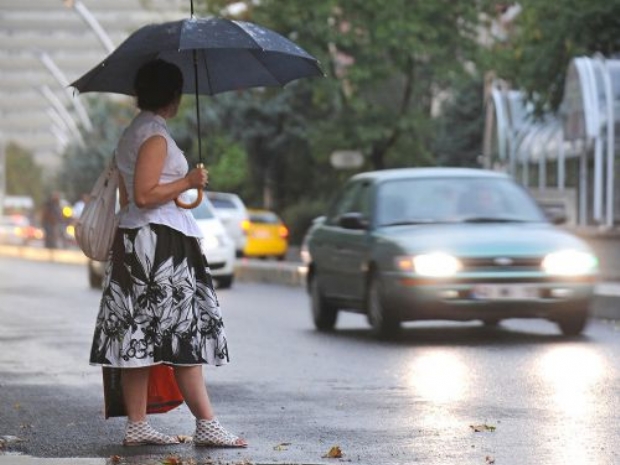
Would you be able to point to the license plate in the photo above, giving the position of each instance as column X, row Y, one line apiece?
column 504, row 292
column 261, row 234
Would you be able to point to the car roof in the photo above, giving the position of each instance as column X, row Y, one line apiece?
column 435, row 172
column 221, row 195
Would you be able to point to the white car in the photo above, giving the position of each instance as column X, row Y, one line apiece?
column 217, row 246
column 234, row 215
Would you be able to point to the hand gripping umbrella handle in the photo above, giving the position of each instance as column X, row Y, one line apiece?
column 195, row 203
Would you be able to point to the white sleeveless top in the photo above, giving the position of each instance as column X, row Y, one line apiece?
column 145, row 125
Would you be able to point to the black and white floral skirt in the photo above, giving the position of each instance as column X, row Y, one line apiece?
column 158, row 303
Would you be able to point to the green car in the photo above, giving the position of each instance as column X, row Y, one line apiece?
column 444, row 244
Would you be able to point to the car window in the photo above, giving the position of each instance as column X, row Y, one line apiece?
column 345, row 202
column 264, row 218
column 454, row 200
column 203, row 211
column 223, row 203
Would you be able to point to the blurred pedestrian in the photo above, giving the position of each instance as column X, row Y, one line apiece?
column 52, row 220
column 158, row 304
column 78, row 207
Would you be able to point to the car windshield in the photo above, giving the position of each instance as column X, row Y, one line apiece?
column 454, row 200
column 264, row 218
column 223, row 203
column 203, row 211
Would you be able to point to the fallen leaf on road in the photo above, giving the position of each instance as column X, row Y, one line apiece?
column 282, row 446
column 171, row 461
column 482, row 428
column 6, row 440
column 184, row 439
column 115, row 459
column 334, row 453
column 490, row 460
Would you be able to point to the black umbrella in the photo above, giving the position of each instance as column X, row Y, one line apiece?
column 214, row 54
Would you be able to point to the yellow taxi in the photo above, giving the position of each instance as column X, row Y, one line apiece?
column 267, row 236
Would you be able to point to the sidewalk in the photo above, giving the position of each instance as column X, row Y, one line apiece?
column 12, row 459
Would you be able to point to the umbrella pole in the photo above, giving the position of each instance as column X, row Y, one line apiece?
column 197, row 105
column 199, row 194
column 195, row 203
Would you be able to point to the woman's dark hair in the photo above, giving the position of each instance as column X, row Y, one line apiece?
column 157, row 84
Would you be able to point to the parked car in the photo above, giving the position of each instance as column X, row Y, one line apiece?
column 234, row 215
column 217, row 246
column 444, row 243
column 267, row 236
column 17, row 230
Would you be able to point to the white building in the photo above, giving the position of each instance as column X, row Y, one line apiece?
column 48, row 43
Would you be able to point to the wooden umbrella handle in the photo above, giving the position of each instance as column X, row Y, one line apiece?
column 195, row 203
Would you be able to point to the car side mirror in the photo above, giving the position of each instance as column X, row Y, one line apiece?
column 353, row 220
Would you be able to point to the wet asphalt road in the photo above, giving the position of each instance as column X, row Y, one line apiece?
column 294, row 393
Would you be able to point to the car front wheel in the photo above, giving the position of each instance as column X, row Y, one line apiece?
column 324, row 315
column 384, row 324
column 94, row 280
column 224, row 282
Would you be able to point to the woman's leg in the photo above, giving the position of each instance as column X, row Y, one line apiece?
column 209, row 432
column 191, row 384
column 135, row 382
column 138, row 432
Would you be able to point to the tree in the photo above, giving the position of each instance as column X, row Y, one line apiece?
column 23, row 175
column 385, row 63
column 544, row 38
column 461, row 125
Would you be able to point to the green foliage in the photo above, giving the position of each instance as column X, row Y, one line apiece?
column 298, row 217
column 461, row 126
column 23, row 175
column 230, row 172
column 384, row 63
column 546, row 36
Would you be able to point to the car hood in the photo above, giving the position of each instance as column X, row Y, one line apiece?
column 517, row 239
column 211, row 226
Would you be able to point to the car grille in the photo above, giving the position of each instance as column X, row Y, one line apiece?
column 502, row 263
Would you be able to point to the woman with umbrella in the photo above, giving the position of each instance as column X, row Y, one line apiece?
column 158, row 304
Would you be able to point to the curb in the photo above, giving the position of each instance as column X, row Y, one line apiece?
column 290, row 274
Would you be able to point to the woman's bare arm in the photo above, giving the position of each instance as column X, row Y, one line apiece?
column 148, row 192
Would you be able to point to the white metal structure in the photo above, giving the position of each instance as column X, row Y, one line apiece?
column 583, row 133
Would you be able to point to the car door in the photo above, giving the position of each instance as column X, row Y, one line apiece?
column 345, row 250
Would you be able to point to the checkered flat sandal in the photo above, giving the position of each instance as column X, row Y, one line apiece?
column 209, row 433
column 140, row 433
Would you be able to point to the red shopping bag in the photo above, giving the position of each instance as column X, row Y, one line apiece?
column 163, row 392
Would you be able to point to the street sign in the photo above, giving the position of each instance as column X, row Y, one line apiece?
column 346, row 159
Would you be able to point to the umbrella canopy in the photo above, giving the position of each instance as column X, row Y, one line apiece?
column 214, row 54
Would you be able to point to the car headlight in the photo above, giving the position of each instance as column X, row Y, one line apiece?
column 569, row 263
column 435, row 264
column 211, row 241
